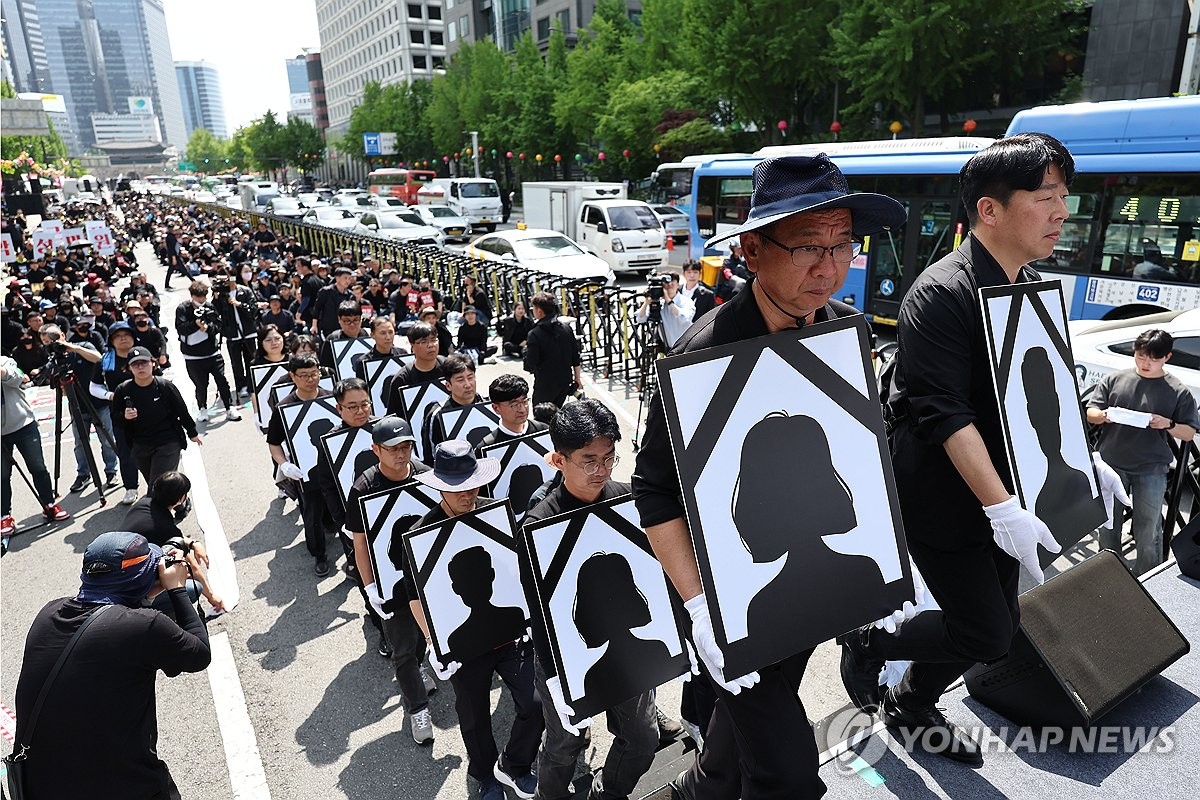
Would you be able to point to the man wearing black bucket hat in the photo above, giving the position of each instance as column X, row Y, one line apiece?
column 803, row 230
column 459, row 476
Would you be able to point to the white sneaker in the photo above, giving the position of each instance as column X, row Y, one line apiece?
column 232, row 415
column 281, row 495
column 130, row 497
column 202, row 417
column 421, row 724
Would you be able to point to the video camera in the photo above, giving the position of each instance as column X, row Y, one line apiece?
column 59, row 366
column 654, row 291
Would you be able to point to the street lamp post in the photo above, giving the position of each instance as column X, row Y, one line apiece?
column 475, row 150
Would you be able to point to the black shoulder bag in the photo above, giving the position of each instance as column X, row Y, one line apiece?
column 15, row 762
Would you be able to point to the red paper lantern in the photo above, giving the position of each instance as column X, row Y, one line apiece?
column 782, row 124
column 558, row 157
column 970, row 125
column 625, row 152
column 521, row 156
column 600, row 155
column 481, row 149
column 835, row 127
column 446, row 159
column 508, row 154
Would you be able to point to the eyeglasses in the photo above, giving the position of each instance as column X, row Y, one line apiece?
column 520, row 402
column 809, row 255
column 308, row 376
column 354, row 407
column 593, row 467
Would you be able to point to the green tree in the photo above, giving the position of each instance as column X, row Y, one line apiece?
column 237, row 152
column 765, row 59
column 206, row 151
column 6, row 90
column 634, row 115
column 694, row 137
column 903, row 57
column 302, row 146
column 601, row 61
column 267, row 147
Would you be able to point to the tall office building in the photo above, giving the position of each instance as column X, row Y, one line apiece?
column 24, row 50
column 316, row 89
column 300, row 101
column 109, row 57
column 362, row 42
column 200, row 95
column 505, row 21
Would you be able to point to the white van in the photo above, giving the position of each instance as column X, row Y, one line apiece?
column 625, row 233
column 477, row 199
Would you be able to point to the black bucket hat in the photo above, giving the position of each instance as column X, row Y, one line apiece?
column 795, row 184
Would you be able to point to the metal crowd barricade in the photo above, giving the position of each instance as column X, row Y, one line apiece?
column 612, row 343
column 1183, row 490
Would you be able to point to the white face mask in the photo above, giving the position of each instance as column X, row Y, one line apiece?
column 246, row 274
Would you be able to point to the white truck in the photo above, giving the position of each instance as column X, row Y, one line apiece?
column 601, row 218
column 477, row 199
column 255, row 194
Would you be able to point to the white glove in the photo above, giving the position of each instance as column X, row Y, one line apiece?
column 443, row 673
column 563, row 710
column 892, row 622
column 691, row 654
column 1110, row 486
column 289, row 470
column 1019, row 532
column 371, row 590
column 706, row 647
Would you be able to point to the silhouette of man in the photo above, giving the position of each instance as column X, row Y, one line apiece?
column 786, row 463
column 608, row 607
column 1065, row 486
column 471, row 578
column 524, row 482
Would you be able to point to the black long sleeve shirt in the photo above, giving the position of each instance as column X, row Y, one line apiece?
column 656, row 489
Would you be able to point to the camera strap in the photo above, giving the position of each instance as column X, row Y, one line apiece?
column 58, row 665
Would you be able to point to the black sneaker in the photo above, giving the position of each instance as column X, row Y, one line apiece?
column 937, row 734
column 80, row 484
column 321, row 568
column 385, row 648
column 860, row 669
column 110, row 480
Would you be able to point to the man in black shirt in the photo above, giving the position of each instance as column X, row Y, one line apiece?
column 326, row 306
column 122, row 652
column 276, row 315
column 427, row 367
column 551, row 353
column 154, row 416
column 392, row 443
column 514, row 331
column 965, row 529
column 799, row 240
column 459, row 476
column 354, row 407
column 585, row 436
column 473, row 336
column 349, row 319
column 459, row 374
column 510, row 400
column 305, row 373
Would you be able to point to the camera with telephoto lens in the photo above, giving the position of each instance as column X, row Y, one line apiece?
column 206, row 315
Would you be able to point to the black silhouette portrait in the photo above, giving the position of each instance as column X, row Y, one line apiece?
column 472, row 576
column 318, row 428
column 364, row 460
column 524, row 482
column 1065, row 486
column 401, row 526
column 787, row 496
column 608, row 607
column 476, row 435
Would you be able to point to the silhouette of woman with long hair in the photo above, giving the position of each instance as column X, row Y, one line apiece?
column 608, row 607
column 1065, row 486
column 788, row 496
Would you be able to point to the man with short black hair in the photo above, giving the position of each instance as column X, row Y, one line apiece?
column 305, row 372
column 427, row 367
column 700, row 295
column 473, row 337
column 585, row 436
column 199, row 327
column 155, row 418
column 349, row 319
column 1142, row 456
column 458, row 373
column 509, row 395
column 325, row 309
column 552, row 354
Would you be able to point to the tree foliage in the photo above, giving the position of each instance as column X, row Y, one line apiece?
column 206, row 151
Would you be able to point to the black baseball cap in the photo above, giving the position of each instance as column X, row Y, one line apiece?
column 391, row 431
column 139, row 354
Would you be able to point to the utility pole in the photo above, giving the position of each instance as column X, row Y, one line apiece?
column 475, row 150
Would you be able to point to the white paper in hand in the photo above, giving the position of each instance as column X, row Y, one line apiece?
column 1127, row 416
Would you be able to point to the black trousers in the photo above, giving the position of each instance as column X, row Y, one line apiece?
column 314, row 514
column 976, row 586
column 155, row 459
column 513, row 349
column 759, row 744
column 200, row 370
column 241, row 353
column 472, row 700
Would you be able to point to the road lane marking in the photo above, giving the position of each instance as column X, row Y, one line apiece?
column 247, row 777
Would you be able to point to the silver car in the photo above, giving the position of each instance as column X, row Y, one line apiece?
column 401, row 226
column 452, row 224
column 342, row 219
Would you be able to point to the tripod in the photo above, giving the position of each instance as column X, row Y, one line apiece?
column 79, row 404
column 648, row 336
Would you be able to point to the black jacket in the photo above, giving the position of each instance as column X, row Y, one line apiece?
column 551, row 352
column 193, row 342
column 241, row 321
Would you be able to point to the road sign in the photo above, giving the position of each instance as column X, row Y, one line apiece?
column 371, row 144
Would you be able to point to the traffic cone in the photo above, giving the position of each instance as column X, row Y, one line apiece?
column 670, row 242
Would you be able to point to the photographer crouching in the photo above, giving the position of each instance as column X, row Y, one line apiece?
column 74, row 679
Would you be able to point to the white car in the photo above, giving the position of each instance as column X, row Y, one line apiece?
column 342, row 219
column 542, row 250
column 382, row 201
column 203, row 196
column 400, row 226
column 310, row 199
column 452, row 224
column 1101, row 347
column 676, row 223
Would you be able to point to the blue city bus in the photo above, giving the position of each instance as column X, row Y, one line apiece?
column 1130, row 246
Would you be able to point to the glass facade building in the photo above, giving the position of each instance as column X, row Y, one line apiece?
column 200, row 97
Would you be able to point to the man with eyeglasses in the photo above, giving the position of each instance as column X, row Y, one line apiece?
column 305, row 372
column 510, row 400
column 803, row 230
column 354, row 406
column 585, row 436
